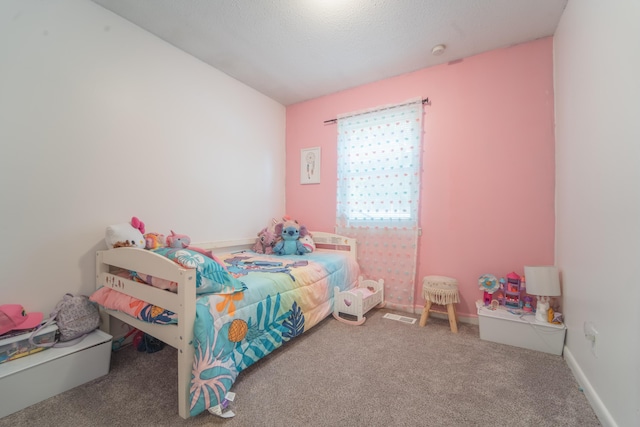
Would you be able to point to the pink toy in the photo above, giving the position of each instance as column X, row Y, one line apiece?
column 154, row 240
column 178, row 240
column 183, row 241
column 512, row 291
column 267, row 238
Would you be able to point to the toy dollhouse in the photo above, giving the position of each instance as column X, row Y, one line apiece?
column 512, row 291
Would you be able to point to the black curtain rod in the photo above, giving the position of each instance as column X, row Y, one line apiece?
column 424, row 101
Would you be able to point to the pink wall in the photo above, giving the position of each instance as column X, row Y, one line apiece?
column 488, row 177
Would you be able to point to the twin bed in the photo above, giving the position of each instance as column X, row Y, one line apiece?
column 224, row 315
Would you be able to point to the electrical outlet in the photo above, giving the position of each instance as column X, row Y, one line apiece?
column 591, row 334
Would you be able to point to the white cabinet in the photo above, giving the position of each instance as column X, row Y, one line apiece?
column 36, row 377
column 521, row 329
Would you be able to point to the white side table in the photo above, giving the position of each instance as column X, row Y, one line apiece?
column 521, row 329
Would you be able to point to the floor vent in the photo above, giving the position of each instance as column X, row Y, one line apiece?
column 402, row 319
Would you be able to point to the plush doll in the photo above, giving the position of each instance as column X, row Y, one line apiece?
column 178, row 240
column 183, row 241
column 125, row 235
column 290, row 232
column 154, row 241
column 265, row 242
column 308, row 242
column 267, row 239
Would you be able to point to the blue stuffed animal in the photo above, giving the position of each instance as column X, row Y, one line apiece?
column 290, row 231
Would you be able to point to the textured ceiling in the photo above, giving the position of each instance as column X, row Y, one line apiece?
column 295, row 50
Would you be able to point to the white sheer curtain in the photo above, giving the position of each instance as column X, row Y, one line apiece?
column 379, row 154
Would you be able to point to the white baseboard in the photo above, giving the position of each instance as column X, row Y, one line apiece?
column 601, row 411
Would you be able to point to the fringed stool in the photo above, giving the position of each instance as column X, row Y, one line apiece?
column 440, row 290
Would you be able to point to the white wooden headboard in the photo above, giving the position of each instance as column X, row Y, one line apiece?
column 322, row 240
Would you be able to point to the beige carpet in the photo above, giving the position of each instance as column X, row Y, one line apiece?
column 383, row 373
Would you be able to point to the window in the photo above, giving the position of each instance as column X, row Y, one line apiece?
column 379, row 165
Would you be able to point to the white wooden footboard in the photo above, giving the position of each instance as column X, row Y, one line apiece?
column 183, row 303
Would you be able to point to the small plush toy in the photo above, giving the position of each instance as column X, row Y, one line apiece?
column 290, row 232
column 154, row 241
column 182, row 241
column 178, row 240
column 124, row 235
column 267, row 239
column 308, row 242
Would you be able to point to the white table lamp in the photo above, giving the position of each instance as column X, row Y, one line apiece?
column 543, row 282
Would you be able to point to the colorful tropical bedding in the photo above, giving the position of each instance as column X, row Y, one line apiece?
column 285, row 296
column 280, row 298
column 114, row 300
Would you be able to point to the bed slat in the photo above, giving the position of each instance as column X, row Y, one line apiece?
column 143, row 261
column 168, row 334
column 159, row 297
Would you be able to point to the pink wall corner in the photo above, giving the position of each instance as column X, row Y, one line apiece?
column 488, row 164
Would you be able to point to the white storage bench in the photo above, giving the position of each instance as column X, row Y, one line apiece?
column 37, row 377
column 356, row 302
column 521, row 330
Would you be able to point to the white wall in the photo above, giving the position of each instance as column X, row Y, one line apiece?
column 597, row 93
column 101, row 121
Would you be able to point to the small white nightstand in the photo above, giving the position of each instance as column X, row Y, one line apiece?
column 519, row 328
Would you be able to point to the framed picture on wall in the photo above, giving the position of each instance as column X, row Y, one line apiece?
column 310, row 165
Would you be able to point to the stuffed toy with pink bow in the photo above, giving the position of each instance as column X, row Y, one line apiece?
column 128, row 234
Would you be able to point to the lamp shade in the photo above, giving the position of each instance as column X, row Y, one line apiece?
column 542, row 281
